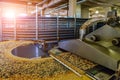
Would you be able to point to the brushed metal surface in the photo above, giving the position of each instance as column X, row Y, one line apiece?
column 105, row 33
column 102, row 51
column 94, row 52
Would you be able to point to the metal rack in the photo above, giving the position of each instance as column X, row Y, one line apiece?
column 49, row 28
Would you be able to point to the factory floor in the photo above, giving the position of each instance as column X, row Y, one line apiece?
column 16, row 68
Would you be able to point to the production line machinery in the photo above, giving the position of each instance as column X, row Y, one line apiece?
column 101, row 46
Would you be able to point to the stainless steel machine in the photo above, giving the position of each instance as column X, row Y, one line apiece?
column 101, row 46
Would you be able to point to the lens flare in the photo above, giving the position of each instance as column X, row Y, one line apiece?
column 9, row 13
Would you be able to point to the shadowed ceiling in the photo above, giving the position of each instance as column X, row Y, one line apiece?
column 87, row 3
column 55, row 3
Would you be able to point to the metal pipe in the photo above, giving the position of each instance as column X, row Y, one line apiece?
column 36, row 22
column 1, row 24
column 101, row 3
column 14, row 19
column 75, row 27
column 64, row 6
column 58, row 8
column 37, row 17
column 41, row 2
column 58, row 27
column 79, row 2
column 34, row 11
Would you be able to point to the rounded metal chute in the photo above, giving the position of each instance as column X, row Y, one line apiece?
column 89, row 23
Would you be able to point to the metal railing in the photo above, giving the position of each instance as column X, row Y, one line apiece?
column 49, row 28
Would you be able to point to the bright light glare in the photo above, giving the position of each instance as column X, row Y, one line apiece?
column 32, row 12
column 96, row 12
column 9, row 14
column 23, row 15
column 47, row 15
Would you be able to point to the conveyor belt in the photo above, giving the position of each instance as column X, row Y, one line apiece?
column 54, row 54
column 81, row 66
column 68, row 65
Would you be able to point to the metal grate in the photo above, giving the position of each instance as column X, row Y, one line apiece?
column 49, row 28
